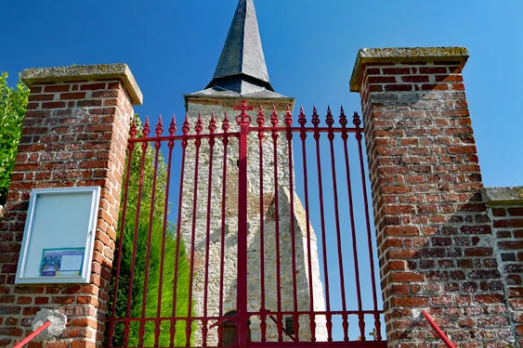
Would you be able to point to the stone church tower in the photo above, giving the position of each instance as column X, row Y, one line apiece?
column 241, row 74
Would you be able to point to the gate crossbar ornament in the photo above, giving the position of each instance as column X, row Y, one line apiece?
column 243, row 119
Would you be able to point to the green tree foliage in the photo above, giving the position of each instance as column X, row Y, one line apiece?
column 140, row 231
column 13, row 102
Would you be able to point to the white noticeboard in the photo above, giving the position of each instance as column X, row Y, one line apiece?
column 59, row 236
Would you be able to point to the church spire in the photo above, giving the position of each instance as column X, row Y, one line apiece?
column 242, row 67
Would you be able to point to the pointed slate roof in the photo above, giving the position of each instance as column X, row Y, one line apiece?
column 241, row 69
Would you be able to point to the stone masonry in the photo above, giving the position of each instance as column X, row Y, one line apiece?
column 436, row 243
column 205, row 106
column 74, row 134
column 506, row 212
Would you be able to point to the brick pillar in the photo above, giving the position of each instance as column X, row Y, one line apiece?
column 74, row 134
column 506, row 211
column 434, row 236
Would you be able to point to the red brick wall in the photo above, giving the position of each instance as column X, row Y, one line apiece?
column 508, row 228
column 74, row 134
column 434, row 236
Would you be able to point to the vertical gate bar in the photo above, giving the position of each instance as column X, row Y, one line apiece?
column 145, row 134
column 141, row 332
column 197, row 143
column 303, row 136
column 263, row 323
column 344, row 136
column 225, row 141
column 345, row 324
column 315, row 122
column 274, row 122
column 242, row 324
column 212, row 128
column 130, row 147
column 170, row 145
column 288, row 122
column 377, row 324
column 185, row 130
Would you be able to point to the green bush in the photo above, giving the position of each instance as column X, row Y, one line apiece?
column 153, row 280
column 13, row 102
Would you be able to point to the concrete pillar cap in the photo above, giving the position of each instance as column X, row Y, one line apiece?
column 404, row 55
column 86, row 72
column 503, row 195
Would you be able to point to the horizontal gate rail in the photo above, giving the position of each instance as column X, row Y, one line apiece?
column 306, row 275
column 183, row 137
column 352, row 344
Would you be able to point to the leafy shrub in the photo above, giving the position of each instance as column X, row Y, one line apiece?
column 154, row 270
column 13, row 102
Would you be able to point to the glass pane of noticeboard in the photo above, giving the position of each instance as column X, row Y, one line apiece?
column 59, row 236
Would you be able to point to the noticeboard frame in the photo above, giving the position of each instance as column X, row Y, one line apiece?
column 59, row 219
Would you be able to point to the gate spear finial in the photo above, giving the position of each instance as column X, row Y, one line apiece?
column 288, row 117
column 159, row 127
column 146, row 127
column 172, row 126
column 301, row 118
column 329, row 119
column 343, row 118
column 225, row 125
column 212, row 124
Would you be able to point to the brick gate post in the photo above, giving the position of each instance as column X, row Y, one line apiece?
column 506, row 211
column 434, row 236
column 74, row 134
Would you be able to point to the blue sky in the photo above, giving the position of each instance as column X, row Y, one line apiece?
column 172, row 48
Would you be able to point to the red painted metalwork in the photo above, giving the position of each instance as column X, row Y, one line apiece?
column 212, row 128
column 197, row 143
column 145, row 131
column 316, row 122
column 359, row 136
column 344, row 136
column 274, row 136
column 172, row 332
column 436, row 328
column 295, row 322
column 158, row 131
column 32, row 335
column 130, row 149
column 260, row 120
column 294, row 314
column 303, row 136
column 170, row 145
column 330, row 121
column 243, row 121
column 225, row 142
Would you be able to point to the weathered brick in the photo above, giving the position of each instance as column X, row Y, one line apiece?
column 93, row 86
column 76, row 95
column 57, row 88
column 53, row 105
column 424, row 168
column 50, row 160
column 508, row 223
column 41, row 97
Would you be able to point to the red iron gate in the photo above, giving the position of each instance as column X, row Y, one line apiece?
column 242, row 266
